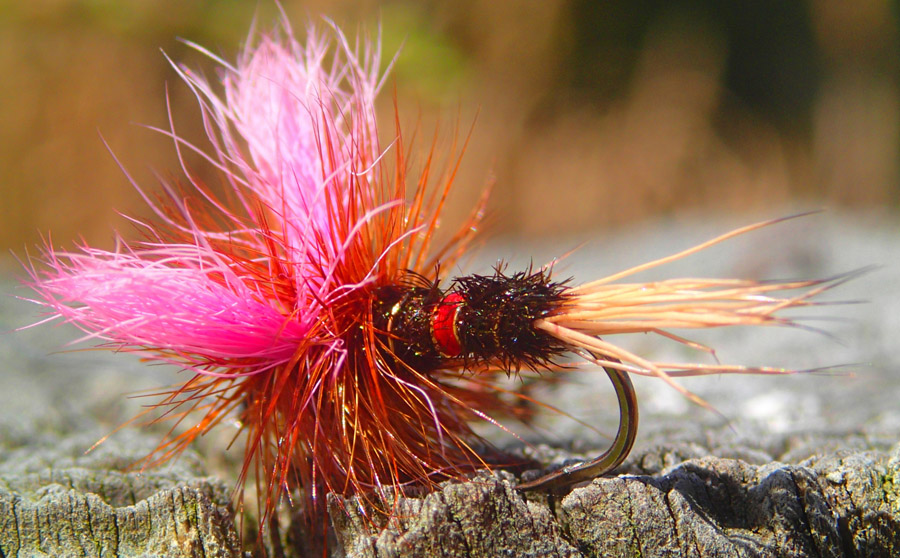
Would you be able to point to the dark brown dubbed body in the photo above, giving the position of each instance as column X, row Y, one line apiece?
column 478, row 319
column 490, row 319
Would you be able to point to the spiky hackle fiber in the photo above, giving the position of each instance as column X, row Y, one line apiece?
column 267, row 294
column 607, row 307
column 290, row 298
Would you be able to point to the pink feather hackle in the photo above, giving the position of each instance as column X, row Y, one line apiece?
column 288, row 134
column 266, row 292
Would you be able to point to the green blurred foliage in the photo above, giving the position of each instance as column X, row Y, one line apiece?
column 424, row 58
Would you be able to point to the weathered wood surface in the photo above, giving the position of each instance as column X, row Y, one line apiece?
column 838, row 505
column 806, row 466
column 84, row 506
column 841, row 504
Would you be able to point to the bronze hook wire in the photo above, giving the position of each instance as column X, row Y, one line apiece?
column 559, row 481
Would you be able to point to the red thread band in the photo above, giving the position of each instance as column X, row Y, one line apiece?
column 443, row 325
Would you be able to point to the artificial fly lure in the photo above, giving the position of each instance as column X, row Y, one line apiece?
column 306, row 302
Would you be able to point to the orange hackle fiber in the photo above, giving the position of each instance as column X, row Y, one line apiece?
column 272, row 296
column 607, row 307
column 347, row 422
column 266, row 293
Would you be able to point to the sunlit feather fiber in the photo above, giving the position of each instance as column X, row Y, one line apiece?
column 606, row 307
column 266, row 293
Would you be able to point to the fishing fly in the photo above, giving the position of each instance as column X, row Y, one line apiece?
column 307, row 301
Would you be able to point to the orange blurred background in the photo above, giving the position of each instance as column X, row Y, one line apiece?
column 586, row 114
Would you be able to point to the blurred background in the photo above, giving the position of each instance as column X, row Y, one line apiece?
column 584, row 114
